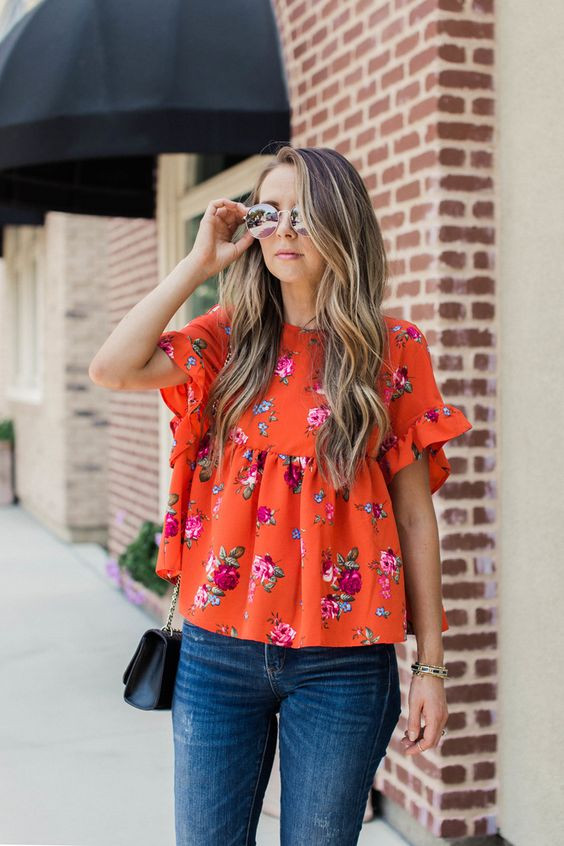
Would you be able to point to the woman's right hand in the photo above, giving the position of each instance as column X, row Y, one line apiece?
column 213, row 247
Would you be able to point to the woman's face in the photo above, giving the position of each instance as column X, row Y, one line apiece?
column 278, row 189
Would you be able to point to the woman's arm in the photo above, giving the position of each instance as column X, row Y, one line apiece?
column 130, row 358
column 419, row 541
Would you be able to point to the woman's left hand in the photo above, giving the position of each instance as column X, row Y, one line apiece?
column 427, row 699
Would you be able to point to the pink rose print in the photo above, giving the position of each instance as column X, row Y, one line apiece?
column 265, row 571
column 326, row 566
column 201, row 598
column 282, row 634
column 329, row 509
column 401, row 382
column 350, row 581
column 432, row 415
column 193, row 529
column 295, row 466
column 285, row 366
column 346, row 581
column 226, row 578
column 262, row 567
column 170, row 526
column 166, row 345
column 248, row 476
column 388, row 570
column 375, row 510
column 329, row 608
column 316, row 416
column 293, row 476
column 191, row 393
column 203, row 450
column 384, row 583
column 238, row 436
column 211, row 565
column 223, row 575
column 402, row 335
column 265, row 516
column 388, row 561
column 388, row 442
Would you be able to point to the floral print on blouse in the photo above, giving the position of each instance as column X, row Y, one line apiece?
column 267, row 550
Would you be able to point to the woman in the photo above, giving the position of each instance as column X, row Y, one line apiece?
column 308, row 440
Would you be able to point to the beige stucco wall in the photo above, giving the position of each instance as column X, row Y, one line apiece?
column 529, row 148
column 61, row 429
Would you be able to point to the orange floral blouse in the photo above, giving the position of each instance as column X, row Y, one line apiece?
column 268, row 551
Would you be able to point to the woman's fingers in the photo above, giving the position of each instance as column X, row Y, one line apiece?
column 427, row 738
column 231, row 216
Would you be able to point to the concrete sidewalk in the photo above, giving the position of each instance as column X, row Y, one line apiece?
column 78, row 766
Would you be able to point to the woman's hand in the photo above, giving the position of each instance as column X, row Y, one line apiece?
column 426, row 698
column 213, row 248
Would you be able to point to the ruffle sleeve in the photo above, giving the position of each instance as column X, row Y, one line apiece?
column 419, row 416
column 186, row 402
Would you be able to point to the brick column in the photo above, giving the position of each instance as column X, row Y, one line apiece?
column 133, row 483
column 405, row 91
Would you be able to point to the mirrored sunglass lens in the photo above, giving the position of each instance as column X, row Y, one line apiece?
column 297, row 222
column 262, row 220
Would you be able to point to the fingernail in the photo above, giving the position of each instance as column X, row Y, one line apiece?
column 412, row 735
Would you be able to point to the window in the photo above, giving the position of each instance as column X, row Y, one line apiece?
column 206, row 294
column 23, row 263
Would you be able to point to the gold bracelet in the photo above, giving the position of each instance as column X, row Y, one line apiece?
column 418, row 669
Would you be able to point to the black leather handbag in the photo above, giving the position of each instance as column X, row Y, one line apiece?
column 149, row 676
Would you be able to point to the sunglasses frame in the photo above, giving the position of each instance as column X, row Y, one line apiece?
column 278, row 212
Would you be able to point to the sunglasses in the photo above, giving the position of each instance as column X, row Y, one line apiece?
column 262, row 220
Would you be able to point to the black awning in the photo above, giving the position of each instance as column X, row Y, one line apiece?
column 92, row 90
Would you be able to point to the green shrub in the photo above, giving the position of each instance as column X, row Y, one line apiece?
column 6, row 430
column 140, row 558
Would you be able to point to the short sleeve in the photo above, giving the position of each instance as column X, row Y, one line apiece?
column 198, row 349
column 185, row 400
column 419, row 416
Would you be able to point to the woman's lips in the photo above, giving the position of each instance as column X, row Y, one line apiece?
column 288, row 255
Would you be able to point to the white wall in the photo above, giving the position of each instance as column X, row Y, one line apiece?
column 529, row 98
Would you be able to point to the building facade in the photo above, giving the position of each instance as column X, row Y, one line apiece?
column 422, row 98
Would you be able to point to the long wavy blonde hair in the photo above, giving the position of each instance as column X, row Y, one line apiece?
column 341, row 222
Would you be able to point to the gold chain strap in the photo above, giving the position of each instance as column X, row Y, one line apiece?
column 168, row 626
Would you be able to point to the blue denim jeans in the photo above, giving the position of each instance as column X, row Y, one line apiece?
column 337, row 707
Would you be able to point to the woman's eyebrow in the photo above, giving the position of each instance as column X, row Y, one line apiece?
column 271, row 202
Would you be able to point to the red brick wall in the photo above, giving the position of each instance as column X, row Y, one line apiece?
column 405, row 90
column 133, row 438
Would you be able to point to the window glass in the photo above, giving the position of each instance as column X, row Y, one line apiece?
column 206, row 294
